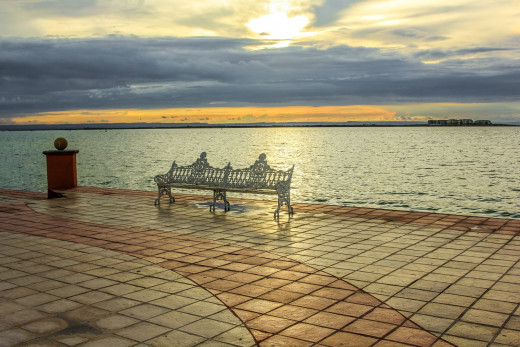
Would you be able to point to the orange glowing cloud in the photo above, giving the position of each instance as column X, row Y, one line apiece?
column 215, row 115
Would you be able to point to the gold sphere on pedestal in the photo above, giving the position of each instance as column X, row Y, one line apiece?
column 60, row 143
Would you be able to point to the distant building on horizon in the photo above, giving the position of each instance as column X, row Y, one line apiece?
column 455, row 122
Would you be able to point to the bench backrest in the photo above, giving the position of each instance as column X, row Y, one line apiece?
column 198, row 173
column 258, row 176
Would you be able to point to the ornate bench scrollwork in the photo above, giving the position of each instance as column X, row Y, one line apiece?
column 259, row 178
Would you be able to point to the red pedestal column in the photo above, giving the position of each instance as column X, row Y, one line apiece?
column 61, row 170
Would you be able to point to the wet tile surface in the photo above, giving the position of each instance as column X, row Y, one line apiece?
column 119, row 270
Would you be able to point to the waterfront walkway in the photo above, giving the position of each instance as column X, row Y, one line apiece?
column 103, row 267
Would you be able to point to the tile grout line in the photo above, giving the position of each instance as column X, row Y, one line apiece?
column 483, row 294
column 84, row 223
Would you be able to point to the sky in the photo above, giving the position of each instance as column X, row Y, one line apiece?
column 249, row 61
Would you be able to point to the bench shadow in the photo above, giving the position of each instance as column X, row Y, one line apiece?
column 236, row 208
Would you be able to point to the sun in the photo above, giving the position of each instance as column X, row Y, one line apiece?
column 278, row 26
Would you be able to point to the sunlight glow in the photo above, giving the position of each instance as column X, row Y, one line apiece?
column 278, row 26
column 214, row 115
column 283, row 23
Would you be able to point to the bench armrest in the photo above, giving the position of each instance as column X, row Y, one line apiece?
column 161, row 178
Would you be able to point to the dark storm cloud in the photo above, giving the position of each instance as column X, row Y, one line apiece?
column 53, row 75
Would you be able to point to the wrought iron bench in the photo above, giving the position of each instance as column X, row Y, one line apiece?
column 259, row 178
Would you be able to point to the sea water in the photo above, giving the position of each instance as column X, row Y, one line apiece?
column 458, row 170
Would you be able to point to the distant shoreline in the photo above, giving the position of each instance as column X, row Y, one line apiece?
column 140, row 126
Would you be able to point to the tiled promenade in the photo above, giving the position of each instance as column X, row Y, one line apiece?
column 106, row 268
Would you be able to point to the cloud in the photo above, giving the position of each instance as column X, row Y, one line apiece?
column 94, row 121
column 127, row 72
column 251, row 118
column 115, row 54
column 150, row 18
column 6, row 121
column 403, row 25
column 63, row 8
column 412, row 26
column 330, row 11
column 434, row 54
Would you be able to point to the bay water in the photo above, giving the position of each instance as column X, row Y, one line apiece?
column 457, row 170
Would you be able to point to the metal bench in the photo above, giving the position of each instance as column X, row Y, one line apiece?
column 259, row 178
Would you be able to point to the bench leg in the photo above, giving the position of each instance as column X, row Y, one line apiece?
column 219, row 195
column 163, row 191
column 284, row 197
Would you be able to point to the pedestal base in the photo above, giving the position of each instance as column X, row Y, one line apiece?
column 61, row 170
